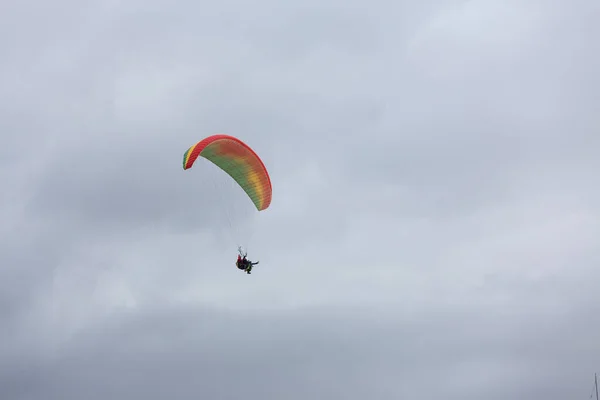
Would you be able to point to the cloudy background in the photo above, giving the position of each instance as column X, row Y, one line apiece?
column 435, row 223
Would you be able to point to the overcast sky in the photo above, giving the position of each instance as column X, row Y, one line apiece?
column 435, row 224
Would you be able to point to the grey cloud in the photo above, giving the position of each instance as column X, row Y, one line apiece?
column 434, row 224
column 181, row 352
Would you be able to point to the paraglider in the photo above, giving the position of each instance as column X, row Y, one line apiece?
column 243, row 263
column 242, row 164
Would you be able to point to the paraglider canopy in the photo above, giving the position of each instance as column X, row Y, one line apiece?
column 238, row 160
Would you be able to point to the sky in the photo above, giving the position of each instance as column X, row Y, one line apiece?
column 435, row 217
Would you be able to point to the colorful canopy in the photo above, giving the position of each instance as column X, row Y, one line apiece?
column 239, row 161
